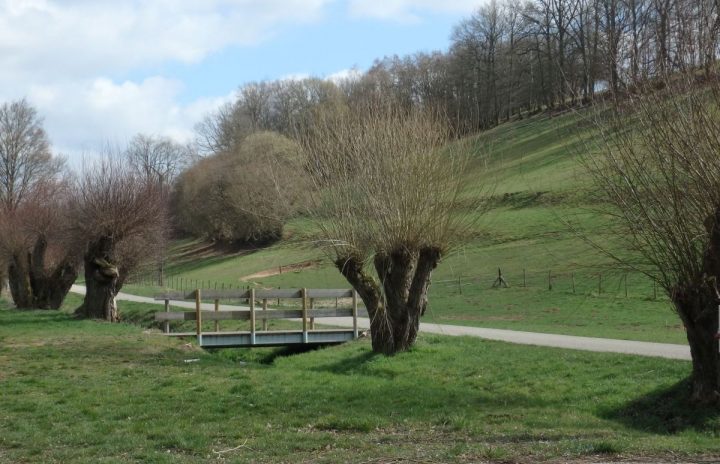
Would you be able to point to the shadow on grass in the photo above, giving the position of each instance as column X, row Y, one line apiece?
column 265, row 356
column 666, row 411
column 361, row 364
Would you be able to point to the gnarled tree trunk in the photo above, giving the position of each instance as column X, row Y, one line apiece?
column 102, row 282
column 396, row 303
column 698, row 310
column 19, row 280
column 34, row 286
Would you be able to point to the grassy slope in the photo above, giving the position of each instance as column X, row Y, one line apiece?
column 539, row 186
column 83, row 391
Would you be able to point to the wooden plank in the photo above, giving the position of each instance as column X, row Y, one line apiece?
column 237, row 294
column 175, row 296
column 172, row 316
column 279, row 293
column 328, row 293
column 329, row 312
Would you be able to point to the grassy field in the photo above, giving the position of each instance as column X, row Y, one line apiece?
column 85, row 391
column 539, row 189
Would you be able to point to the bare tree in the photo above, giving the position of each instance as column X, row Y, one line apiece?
column 34, row 239
column 158, row 159
column 25, row 158
column 118, row 218
column 388, row 190
column 660, row 171
column 29, row 207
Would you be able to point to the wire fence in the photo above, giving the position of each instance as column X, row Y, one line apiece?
column 592, row 282
column 585, row 281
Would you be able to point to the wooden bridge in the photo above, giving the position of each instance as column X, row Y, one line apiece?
column 309, row 335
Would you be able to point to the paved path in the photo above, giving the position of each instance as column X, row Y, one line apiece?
column 606, row 345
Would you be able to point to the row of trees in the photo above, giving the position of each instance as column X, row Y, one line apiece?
column 105, row 220
column 509, row 58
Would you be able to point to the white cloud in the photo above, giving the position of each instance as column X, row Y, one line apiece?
column 69, row 58
column 42, row 38
column 82, row 116
column 408, row 10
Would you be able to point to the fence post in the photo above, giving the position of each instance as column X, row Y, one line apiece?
column 654, row 290
column 303, row 294
column 166, row 324
column 459, row 285
column 354, row 313
column 524, row 280
column 572, row 275
column 599, row 283
column 252, row 316
column 217, row 308
column 198, row 317
column 626, row 294
column 264, row 321
column 549, row 280
column 312, row 319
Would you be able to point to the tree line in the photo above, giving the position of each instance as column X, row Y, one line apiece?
column 507, row 59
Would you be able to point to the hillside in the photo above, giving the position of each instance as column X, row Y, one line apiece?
column 558, row 282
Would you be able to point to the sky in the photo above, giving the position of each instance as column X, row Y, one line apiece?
column 100, row 71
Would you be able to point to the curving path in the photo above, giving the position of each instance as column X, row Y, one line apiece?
column 605, row 345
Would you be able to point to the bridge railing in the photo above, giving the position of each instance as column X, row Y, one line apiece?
column 262, row 312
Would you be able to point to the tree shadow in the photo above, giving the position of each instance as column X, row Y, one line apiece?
column 349, row 365
column 666, row 411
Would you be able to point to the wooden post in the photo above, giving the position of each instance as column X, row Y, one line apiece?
column 654, row 290
column 312, row 319
column 354, row 313
column 166, row 324
column 217, row 308
column 264, row 321
column 549, row 280
column 626, row 294
column 599, row 283
column 252, row 316
column 524, row 279
column 459, row 285
column 572, row 275
column 304, row 315
column 198, row 317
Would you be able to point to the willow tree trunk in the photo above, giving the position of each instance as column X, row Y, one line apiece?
column 19, row 280
column 396, row 303
column 101, row 282
column 699, row 313
column 32, row 285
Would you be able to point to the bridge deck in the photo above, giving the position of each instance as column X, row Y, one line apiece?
column 274, row 338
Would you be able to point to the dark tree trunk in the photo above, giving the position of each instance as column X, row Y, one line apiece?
column 34, row 286
column 19, row 280
column 397, row 302
column 699, row 313
column 101, row 282
column 697, row 304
